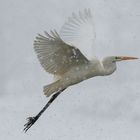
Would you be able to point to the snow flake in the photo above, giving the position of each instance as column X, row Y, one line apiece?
column 72, row 57
column 51, row 60
column 86, row 67
column 56, row 54
column 74, row 51
column 77, row 60
column 77, row 68
column 60, row 88
column 67, row 78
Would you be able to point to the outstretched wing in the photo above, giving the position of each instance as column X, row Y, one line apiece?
column 79, row 31
column 55, row 55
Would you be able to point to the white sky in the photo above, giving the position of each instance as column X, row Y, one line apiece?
column 102, row 108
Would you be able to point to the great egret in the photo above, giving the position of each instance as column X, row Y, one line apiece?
column 66, row 62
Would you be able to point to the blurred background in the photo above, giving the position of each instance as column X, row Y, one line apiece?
column 103, row 108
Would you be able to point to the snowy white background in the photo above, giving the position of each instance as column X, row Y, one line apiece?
column 102, row 108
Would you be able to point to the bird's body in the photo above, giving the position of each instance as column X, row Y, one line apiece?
column 75, row 75
column 66, row 62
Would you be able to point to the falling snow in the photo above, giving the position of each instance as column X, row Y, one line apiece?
column 77, row 60
column 67, row 78
column 86, row 67
column 88, row 111
column 74, row 51
column 51, row 60
column 77, row 68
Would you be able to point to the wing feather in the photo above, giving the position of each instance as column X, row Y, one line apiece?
column 79, row 31
column 56, row 56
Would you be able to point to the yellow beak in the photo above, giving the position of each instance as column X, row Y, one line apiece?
column 127, row 58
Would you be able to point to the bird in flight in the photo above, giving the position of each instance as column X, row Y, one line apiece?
column 60, row 55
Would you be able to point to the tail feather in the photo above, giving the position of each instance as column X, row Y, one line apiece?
column 51, row 88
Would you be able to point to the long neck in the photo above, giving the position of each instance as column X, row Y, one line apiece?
column 109, row 67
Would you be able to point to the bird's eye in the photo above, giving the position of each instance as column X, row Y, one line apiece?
column 115, row 59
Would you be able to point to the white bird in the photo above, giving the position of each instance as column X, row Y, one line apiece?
column 66, row 62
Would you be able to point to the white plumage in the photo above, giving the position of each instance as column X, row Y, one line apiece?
column 64, row 59
column 55, row 55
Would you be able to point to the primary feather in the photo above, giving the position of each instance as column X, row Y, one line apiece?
column 56, row 56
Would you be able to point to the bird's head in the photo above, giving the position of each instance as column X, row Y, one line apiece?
column 109, row 63
column 114, row 59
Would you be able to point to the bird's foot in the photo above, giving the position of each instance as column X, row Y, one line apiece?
column 30, row 122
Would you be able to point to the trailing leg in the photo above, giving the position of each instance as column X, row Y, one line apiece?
column 32, row 120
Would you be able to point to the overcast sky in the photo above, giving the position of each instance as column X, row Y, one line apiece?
column 100, row 108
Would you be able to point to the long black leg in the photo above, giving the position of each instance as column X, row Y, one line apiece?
column 32, row 120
